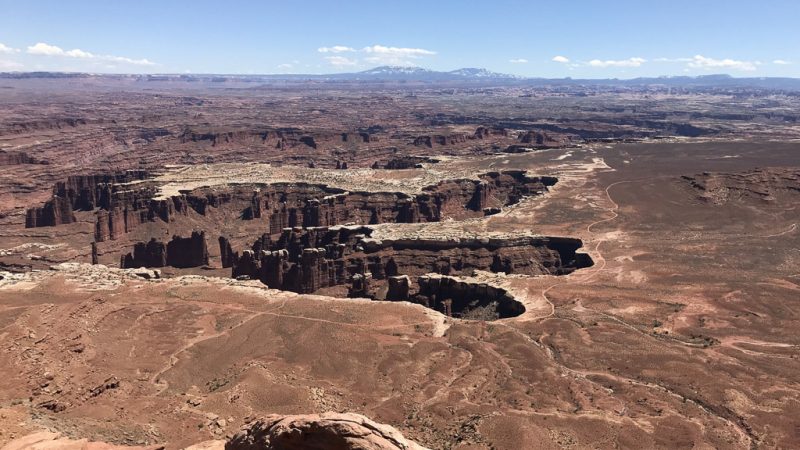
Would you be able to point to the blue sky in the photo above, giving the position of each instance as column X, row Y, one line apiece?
column 576, row 38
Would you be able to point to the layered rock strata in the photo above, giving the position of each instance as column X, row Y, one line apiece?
column 124, row 201
column 80, row 193
column 305, row 260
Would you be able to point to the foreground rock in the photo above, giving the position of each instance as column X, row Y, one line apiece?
column 327, row 431
column 46, row 440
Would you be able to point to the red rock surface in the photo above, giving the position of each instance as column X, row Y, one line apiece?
column 681, row 335
column 327, row 431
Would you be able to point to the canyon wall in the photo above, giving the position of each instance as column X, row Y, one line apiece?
column 305, row 260
column 180, row 252
column 122, row 202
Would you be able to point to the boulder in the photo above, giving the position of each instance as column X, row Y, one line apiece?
column 327, row 431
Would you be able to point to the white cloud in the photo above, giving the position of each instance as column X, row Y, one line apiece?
column 285, row 66
column 701, row 62
column 7, row 50
column 336, row 49
column 672, row 59
column 399, row 51
column 43, row 49
column 630, row 62
column 560, row 59
column 518, row 61
column 78, row 53
column 376, row 54
column 399, row 56
column 341, row 61
column 781, row 62
column 122, row 59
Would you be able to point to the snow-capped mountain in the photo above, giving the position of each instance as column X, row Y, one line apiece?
column 473, row 72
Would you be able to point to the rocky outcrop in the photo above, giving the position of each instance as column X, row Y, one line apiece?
column 284, row 205
column 761, row 186
column 20, row 127
column 279, row 138
column 307, row 259
column 226, row 254
column 466, row 300
column 179, row 252
column 399, row 287
column 359, row 286
column 360, row 137
column 485, row 132
column 517, row 149
column 439, row 140
column 149, row 254
column 121, row 205
column 56, row 211
column 94, row 253
column 188, row 252
column 18, row 158
column 540, row 139
column 80, row 193
column 405, row 162
column 247, row 266
column 46, row 440
column 327, row 431
column 86, row 192
column 130, row 209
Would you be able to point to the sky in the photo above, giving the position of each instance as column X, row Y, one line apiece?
column 553, row 39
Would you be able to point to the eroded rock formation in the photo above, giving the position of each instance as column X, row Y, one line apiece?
column 17, row 158
column 120, row 206
column 179, row 252
column 80, row 193
column 305, row 260
column 466, row 300
column 759, row 186
column 327, row 431
column 536, row 140
column 399, row 287
column 226, row 254
column 405, row 162
column 56, row 211
column 484, row 132
column 440, row 140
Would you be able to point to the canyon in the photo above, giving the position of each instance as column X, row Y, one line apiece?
column 303, row 248
column 230, row 262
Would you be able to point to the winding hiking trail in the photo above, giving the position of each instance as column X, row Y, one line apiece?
column 742, row 428
column 596, row 253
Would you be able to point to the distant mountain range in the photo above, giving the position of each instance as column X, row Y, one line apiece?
column 483, row 75
column 419, row 73
column 467, row 76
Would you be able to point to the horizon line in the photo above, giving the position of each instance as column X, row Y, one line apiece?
column 500, row 74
